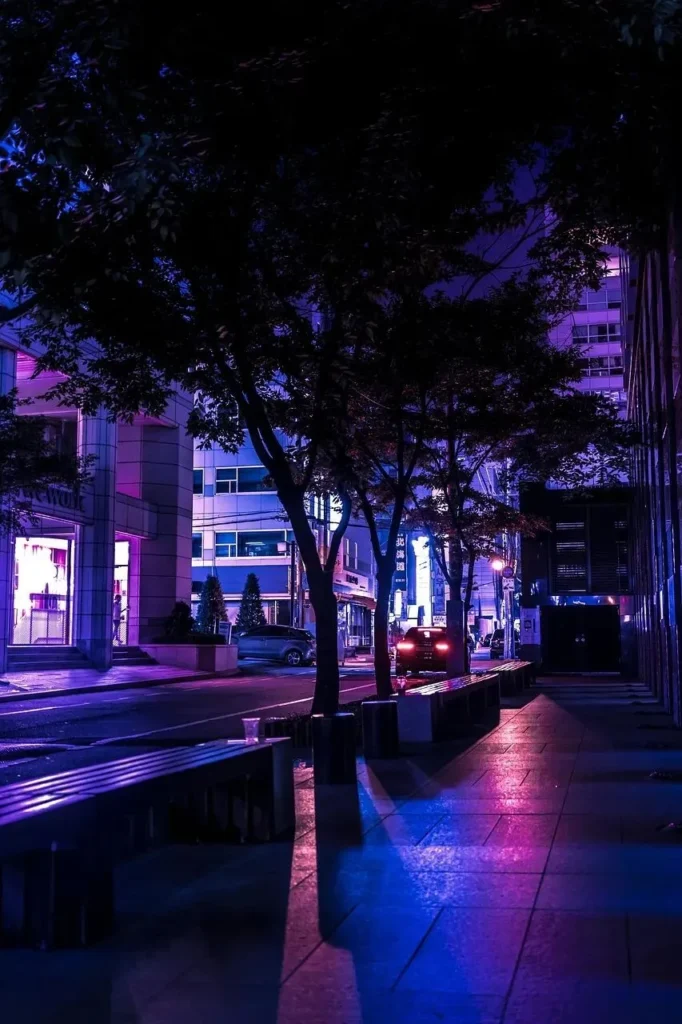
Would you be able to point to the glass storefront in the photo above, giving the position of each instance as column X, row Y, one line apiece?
column 43, row 590
column 121, row 599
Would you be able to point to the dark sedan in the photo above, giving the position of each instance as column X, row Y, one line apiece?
column 422, row 649
column 497, row 644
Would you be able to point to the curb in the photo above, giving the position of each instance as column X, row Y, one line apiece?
column 132, row 684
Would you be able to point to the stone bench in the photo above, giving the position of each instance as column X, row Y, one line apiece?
column 515, row 676
column 61, row 836
column 443, row 710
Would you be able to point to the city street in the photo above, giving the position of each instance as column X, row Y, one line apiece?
column 110, row 724
column 203, row 710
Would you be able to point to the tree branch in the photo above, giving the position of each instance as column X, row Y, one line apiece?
column 337, row 536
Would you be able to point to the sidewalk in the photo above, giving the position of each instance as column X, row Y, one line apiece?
column 525, row 881
column 67, row 682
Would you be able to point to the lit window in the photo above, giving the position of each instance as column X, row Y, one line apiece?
column 225, row 481
column 198, row 481
column 225, row 545
column 197, row 545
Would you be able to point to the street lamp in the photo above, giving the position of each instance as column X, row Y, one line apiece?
column 506, row 571
column 284, row 547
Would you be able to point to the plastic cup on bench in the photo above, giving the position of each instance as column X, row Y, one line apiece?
column 251, row 729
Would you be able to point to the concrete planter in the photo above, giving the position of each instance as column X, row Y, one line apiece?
column 196, row 657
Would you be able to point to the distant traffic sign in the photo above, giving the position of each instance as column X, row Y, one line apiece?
column 507, row 584
column 508, row 572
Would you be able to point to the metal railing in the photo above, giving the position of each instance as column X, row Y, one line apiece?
column 44, row 626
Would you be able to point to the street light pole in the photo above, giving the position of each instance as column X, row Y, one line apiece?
column 292, row 582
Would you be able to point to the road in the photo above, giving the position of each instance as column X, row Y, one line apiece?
column 118, row 723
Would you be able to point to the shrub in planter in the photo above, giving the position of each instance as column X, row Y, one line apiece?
column 193, row 640
column 210, row 639
column 178, row 625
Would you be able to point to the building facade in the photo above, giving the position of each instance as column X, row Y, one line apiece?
column 576, row 603
column 240, row 527
column 652, row 356
column 101, row 567
column 596, row 326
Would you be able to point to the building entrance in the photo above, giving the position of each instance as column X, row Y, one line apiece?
column 581, row 638
column 43, row 590
column 121, row 598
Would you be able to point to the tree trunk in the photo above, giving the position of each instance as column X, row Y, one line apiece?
column 456, row 662
column 323, row 600
column 382, row 660
column 468, row 591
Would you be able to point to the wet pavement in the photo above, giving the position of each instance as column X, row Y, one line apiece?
column 529, row 879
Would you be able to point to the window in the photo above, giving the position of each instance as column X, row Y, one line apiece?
column 619, row 398
column 588, row 334
column 197, row 545
column 61, row 434
column 607, row 296
column 260, row 543
column 198, row 481
column 225, row 481
column 601, row 366
column 254, row 478
column 226, row 545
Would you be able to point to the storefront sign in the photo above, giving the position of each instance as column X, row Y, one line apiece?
column 400, row 574
column 58, row 500
column 351, row 582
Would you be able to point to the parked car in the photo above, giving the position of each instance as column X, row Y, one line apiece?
column 278, row 643
column 485, row 642
column 497, row 644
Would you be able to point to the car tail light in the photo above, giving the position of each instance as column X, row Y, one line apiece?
column 442, row 646
column 405, row 645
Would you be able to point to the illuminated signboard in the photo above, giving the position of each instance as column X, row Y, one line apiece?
column 400, row 575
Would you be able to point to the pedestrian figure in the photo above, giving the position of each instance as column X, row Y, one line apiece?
column 117, row 618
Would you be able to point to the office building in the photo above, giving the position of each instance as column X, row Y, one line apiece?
column 241, row 527
column 99, row 568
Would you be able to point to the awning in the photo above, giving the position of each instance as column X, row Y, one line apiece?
column 361, row 599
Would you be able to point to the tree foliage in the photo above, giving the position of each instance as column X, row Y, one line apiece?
column 251, row 612
column 211, row 611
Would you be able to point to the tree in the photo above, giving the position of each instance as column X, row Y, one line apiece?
column 211, row 609
column 519, row 418
column 251, row 607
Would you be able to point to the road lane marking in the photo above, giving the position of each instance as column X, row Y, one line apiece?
column 220, row 718
column 64, row 707
column 30, row 711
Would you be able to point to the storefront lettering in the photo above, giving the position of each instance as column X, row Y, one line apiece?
column 352, row 579
column 58, row 498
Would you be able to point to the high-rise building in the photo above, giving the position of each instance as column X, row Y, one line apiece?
column 596, row 326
